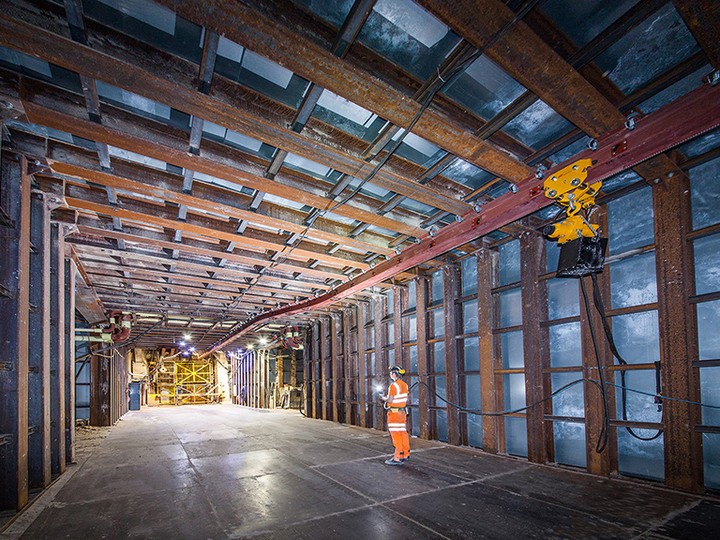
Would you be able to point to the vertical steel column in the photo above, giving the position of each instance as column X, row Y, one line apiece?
column 39, row 474
column 397, row 327
column 336, row 367
column 450, row 281
column 15, row 306
column 381, row 364
column 313, row 359
column 683, row 446
column 59, row 363
column 363, row 387
column 486, row 265
column 324, row 348
column 99, row 390
column 535, row 342
column 603, row 463
column 422, row 352
column 69, row 337
column 347, row 361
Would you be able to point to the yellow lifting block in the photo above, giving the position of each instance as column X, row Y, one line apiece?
column 571, row 228
column 568, row 188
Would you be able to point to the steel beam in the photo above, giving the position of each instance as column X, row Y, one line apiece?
column 450, row 285
column 535, row 342
column 685, row 118
column 69, row 333
column 702, row 17
column 59, row 363
column 39, row 351
column 486, row 269
column 14, row 366
column 421, row 319
column 676, row 317
column 544, row 72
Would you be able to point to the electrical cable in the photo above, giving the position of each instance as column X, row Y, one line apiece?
column 611, row 341
column 604, row 435
column 505, row 412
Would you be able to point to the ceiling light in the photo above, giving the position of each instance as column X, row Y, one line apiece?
column 187, row 337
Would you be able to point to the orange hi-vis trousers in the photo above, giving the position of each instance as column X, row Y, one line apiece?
column 397, row 426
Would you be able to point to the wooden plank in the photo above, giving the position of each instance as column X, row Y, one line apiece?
column 15, row 278
column 39, row 474
column 678, row 331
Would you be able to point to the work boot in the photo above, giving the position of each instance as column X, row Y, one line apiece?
column 405, row 459
column 393, row 461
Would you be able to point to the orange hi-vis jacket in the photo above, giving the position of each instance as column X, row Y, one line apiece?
column 397, row 418
column 397, row 395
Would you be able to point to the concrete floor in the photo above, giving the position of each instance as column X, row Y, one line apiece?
column 223, row 471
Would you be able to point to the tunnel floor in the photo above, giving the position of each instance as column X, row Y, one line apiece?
column 223, row 471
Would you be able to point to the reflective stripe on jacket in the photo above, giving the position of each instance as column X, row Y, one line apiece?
column 397, row 395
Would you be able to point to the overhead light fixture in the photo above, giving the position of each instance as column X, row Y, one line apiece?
column 262, row 341
column 250, row 346
column 182, row 344
column 187, row 337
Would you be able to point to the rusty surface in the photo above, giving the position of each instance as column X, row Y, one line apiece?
column 39, row 336
column 422, row 352
column 450, row 287
column 246, row 26
column 544, row 71
column 221, row 108
column 15, row 278
column 535, row 343
column 672, row 219
column 702, row 17
column 689, row 116
column 486, row 267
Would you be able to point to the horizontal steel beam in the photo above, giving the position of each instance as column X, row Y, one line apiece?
column 687, row 117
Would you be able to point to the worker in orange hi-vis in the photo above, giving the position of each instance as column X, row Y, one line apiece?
column 395, row 403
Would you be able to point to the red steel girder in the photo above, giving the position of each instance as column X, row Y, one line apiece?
column 689, row 116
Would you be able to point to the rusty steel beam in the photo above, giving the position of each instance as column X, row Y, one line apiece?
column 452, row 372
column 544, row 72
column 211, row 198
column 60, row 363
column 702, row 17
column 69, row 330
column 201, row 227
column 423, row 404
column 486, row 269
column 685, row 118
column 179, row 83
column 127, row 137
column 677, row 332
column 248, row 27
column 15, row 304
column 39, row 336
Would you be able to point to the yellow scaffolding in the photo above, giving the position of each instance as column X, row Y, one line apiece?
column 195, row 383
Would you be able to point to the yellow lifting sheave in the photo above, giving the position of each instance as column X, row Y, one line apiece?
column 569, row 189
